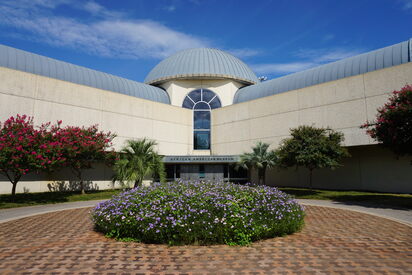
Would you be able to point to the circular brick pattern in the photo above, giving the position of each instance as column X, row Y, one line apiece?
column 333, row 241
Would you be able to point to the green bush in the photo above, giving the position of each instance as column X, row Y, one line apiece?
column 199, row 213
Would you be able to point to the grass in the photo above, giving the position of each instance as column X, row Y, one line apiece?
column 388, row 200
column 30, row 199
column 384, row 200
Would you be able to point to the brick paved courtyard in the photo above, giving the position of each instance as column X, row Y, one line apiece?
column 334, row 241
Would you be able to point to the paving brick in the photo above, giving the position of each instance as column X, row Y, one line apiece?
column 333, row 241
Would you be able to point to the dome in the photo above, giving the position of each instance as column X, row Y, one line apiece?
column 201, row 63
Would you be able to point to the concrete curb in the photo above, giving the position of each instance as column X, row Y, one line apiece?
column 401, row 216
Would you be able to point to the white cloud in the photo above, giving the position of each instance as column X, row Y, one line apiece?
column 326, row 55
column 328, row 37
column 98, row 10
column 245, row 52
column 406, row 4
column 312, row 58
column 106, row 35
column 170, row 8
column 282, row 68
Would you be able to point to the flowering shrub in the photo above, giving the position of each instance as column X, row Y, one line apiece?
column 393, row 125
column 25, row 148
column 85, row 146
column 199, row 213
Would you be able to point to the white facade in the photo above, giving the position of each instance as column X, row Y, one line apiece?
column 343, row 105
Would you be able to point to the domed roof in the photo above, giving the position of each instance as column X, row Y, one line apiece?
column 201, row 63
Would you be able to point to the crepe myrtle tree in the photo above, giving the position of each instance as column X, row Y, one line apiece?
column 393, row 124
column 312, row 148
column 260, row 159
column 25, row 148
column 85, row 146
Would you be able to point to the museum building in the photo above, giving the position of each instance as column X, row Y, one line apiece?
column 205, row 107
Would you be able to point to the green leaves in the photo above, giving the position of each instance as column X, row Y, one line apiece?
column 260, row 159
column 138, row 160
column 312, row 148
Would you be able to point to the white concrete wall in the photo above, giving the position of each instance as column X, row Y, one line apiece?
column 49, row 99
column 371, row 168
column 224, row 88
column 343, row 105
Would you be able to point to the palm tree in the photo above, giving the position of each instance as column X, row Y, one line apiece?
column 138, row 160
column 260, row 159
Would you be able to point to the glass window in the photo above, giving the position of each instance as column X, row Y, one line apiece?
column 195, row 95
column 201, row 101
column 202, row 106
column 215, row 103
column 201, row 140
column 201, row 171
column 187, row 103
column 207, row 95
column 201, row 119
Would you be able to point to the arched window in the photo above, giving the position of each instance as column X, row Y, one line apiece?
column 201, row 102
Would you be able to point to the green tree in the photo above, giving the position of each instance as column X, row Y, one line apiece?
column 138, row 160
column 393, row 125
column 259, row 159
column 312, row 148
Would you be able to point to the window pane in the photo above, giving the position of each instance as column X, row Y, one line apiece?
column 201, row 119
column 202, row 106
column 208, row 95
column 215, row 103
column 195, row 95
column 201, row 140
column 187, row 103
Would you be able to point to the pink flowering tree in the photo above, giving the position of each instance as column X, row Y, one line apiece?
column 25, row 149
column 85, row 146
column 393, row 125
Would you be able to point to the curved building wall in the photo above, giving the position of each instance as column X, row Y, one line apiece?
column 394, row 55
column 33, row 63
column 49, row 99
column 224, row 88
column 343, row 105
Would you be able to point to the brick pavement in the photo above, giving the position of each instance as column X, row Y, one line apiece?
column 334, row 241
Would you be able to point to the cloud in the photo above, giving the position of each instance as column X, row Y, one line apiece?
column 98, row 10
column 170, row 8
column 328, row 37
column 326, row 55
column 282, row 68
column 406, row 4
column 311, row 58
column 108, row 34
column 245, row 52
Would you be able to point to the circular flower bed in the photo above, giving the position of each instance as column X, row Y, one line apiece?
column 199, row 213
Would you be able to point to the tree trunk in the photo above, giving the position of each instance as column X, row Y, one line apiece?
column 13, row 189
column 261, row 176
column 310, row 178
column 78, row 174
column 82, row 187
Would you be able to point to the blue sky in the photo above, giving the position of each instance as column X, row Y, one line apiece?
column 129, row 37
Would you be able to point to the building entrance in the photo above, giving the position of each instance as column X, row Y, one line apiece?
column 218, row 172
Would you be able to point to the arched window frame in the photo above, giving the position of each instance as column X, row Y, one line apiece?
column 201, row 133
